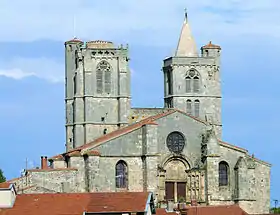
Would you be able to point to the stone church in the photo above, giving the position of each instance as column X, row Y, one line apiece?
column 175, row 151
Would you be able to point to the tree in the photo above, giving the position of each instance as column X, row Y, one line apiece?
column 2, row 177
column 275, row 210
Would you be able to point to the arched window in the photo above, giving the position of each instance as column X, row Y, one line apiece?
column 192, row 81
column 76, row 59
column 196, row 84
column 188, row 85
column 223, row 173
column 169, row 82
column 196, row 108
column 189, row 106
column 99, row 81
column 75, row 83
column 175, row 142
column 121, row 175
column 103, row 77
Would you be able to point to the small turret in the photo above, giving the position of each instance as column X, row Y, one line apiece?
column 75, row 40
column 210, row 50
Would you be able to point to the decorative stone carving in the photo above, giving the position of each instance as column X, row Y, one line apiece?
column 251, row 163
column 195, row 185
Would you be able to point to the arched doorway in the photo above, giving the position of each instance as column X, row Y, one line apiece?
column 174, row 179
column 179, row 182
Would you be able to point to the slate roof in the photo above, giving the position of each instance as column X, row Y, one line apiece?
column 77, row 203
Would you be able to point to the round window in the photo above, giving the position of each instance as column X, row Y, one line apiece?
column 175, row 142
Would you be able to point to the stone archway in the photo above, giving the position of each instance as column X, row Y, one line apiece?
column 173, row 179
column 177, row 180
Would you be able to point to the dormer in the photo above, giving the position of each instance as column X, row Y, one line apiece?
column 7, row 195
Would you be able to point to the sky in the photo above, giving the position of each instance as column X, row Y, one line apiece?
column 32, row 67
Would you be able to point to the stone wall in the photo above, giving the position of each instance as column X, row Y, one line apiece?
column 105, row 181
column 209, row 95
column 258, row 186
column 223, row 193
column 55, row 179
column 150, row 162
column 137, row 114
column 90, row 113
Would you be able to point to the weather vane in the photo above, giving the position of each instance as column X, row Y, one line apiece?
column 186, row 13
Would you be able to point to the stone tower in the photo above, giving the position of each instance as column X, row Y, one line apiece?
column 192, row 81
column 97, row 91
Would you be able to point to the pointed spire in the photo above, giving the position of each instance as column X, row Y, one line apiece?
column 186, row 45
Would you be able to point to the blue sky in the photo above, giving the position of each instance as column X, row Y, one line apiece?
column 32, row 67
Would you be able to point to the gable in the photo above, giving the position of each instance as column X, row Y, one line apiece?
column 128, row 144
column 132, row 127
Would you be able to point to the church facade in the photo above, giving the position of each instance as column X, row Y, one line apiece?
column 175, row 151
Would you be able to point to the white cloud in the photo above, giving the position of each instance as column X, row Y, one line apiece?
column 44, row 68
column 15, row 74
column 133, row 21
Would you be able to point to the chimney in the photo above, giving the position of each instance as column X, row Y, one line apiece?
column 44, row 162
column 7, row 195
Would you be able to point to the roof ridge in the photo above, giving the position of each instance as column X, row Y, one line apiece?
column 126, row 129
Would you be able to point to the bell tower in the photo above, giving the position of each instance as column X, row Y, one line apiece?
column 192, row 81
column 97, row 90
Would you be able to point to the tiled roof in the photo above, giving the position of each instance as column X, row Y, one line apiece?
column 75, row 153
column 5, row 185
column 213, row 210
column 162, row 211
column 77, row 203
column 74, row 40
column 210, row 45
column 57, row 157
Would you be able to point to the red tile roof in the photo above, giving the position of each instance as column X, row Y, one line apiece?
column 74, row 40
column 75, row 153
column 77, row 203
column 5, row 185
column 211, row 46
column 162, row 211
column 213, row 210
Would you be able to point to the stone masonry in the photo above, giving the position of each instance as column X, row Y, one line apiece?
column 175, row 151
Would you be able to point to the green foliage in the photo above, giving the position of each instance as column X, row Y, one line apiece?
column 275, row 210
column 2, row 177
column 181, row 199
